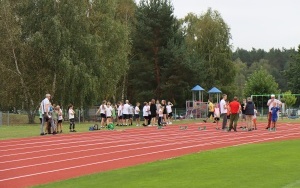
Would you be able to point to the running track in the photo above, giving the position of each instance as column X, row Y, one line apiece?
column 38, row 160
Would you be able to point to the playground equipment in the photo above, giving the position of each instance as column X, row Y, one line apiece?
column 196, row 108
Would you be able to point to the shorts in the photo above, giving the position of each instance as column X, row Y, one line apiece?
column 130, row 116
column 120, row 117
column 170, row 114
column 59, row 121
column 125, row 116
column 274, row 119
column 136, row 116
column 103, row 115
column 210, row 114
column 217, row 119
column 228, row 117
column 108, row 117
column 146, row 117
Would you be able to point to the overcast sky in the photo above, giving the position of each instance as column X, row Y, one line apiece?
column 260, row 24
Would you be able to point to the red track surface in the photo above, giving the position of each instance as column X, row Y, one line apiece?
column 38, row 160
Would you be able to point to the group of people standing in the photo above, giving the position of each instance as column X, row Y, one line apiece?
column 153, row 112
column 51, row 117
column 233, row 110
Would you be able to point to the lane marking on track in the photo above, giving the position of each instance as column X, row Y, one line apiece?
column 122, row 158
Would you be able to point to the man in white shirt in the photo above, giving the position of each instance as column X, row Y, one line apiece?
column 270, row 105
column 45, row 104
column 223, row 109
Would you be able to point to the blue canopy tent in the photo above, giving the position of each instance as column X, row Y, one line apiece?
column 216, row 91
column 197, row 89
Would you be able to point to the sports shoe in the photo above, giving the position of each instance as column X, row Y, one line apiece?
column 204, row 121
column 42, row 134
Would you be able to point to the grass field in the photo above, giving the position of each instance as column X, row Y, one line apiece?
column 263, row 165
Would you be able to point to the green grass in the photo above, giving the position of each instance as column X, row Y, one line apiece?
column 264, row 165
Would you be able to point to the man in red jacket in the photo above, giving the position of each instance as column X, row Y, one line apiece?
column 235, row 108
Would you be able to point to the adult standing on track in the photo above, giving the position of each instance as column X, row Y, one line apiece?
column 249, row 112
column 153, row 112
column 270, row 102
column 45, row 106
column 235, row 108
column 223, row 109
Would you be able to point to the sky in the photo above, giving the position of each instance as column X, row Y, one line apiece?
column 259, row 24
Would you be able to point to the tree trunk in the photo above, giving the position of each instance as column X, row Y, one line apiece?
column 31, row 116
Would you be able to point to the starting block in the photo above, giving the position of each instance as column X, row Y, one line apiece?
column 202, row 128
column 183, row 127
column 160, row 127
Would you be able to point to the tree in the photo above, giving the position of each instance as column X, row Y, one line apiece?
column 207, row 39
column 293, row 73
column 289, row 99
column 260, row 83
column 153, row 30
column 77, row 51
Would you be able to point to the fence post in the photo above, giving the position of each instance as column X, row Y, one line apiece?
column 79, row 116
column 7, row 118
column 175, row 115
column 0, row 118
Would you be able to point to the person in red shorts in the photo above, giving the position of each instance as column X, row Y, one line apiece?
column 235, row 108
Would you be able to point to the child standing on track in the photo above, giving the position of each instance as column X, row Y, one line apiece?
column 72, row 118
column 217, row 115
column 274, row 109
column 60, row 119
column 137, row 114
column 254, row 119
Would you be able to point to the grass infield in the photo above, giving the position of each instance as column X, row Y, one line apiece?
column 275, row 164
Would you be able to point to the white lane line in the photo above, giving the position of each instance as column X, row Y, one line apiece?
column 122, row 158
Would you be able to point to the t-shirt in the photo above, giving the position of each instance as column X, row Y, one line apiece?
column 211, row 107
column 217, row 112
column 120, row 110
column 255, row 112
column 222, row 106
column 160, row 112
column 44, row 103
column 136, row 110
column 71, row 113
column 126, row 109
column 145, row 111
column 60, row 117
column 169, row 109
column 108, row 111
column 102, row 109
column 234, row 107
column 274, row 112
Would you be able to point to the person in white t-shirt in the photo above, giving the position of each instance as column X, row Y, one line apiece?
column 108, row 113
column 223, row 110
column 217, row 115
column 72, row 118
column 169, row 112
column 120, row 114
column 126, row 112
column 102, row 110
column 145, row 113
column 60, row 119
column 45, row 104
column 137, row 114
